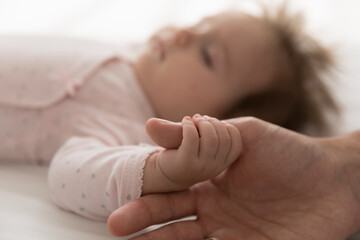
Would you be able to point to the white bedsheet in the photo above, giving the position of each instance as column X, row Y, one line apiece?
column 26, row 210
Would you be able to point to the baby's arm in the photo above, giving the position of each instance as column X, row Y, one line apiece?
column 209, row 146
column 92, row 177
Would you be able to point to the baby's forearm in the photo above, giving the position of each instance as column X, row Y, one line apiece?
column 154, row 179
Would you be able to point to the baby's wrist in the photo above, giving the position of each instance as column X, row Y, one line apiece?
column 170, row 170
column 155, row 180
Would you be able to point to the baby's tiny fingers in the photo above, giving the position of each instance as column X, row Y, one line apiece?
column 190, row 141
column 236, row 143
column 208, row 138
column 224, row 140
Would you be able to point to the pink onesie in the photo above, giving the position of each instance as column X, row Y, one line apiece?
column 77, row 106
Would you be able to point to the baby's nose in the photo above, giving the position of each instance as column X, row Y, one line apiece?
column 183, row 37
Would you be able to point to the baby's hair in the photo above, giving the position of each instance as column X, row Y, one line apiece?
column 299, row 98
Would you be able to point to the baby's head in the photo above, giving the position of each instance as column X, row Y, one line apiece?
column 234, row 64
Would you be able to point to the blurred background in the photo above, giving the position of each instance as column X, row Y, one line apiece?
column 335, row 22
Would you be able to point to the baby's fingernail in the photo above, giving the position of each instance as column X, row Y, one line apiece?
column 197, row 116
column 187, row 118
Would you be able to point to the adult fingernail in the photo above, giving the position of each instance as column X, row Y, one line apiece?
column 163, row 120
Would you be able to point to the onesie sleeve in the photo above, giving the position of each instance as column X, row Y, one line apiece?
column 92, row 179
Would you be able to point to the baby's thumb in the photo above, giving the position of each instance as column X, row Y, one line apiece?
column 164, row 133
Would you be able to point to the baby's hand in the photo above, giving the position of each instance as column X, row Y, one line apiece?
column 209, row 146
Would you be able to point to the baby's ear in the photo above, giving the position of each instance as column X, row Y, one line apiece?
column 164, row 133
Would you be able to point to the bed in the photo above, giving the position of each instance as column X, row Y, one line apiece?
column 26, row 210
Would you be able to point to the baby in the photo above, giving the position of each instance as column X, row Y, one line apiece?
column 81, row 106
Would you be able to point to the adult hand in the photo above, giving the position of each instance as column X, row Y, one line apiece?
column 283, row 186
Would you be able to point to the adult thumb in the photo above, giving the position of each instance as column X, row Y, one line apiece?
column 164, row 133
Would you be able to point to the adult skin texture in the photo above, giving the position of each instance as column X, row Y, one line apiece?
column 284, row 186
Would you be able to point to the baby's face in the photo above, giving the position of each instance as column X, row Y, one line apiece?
column 207, row 67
